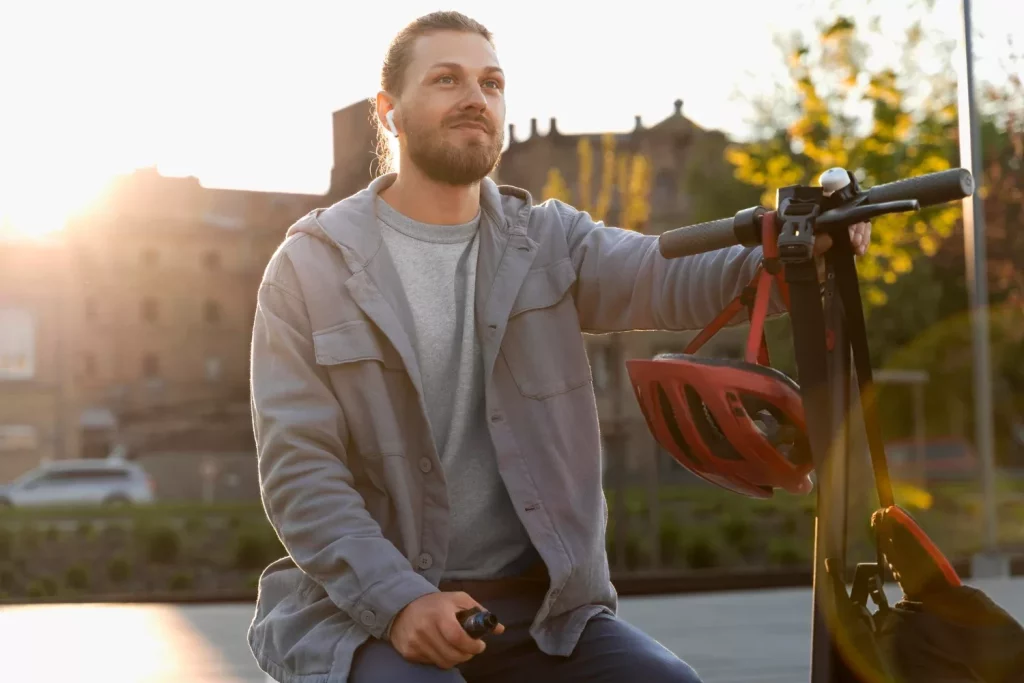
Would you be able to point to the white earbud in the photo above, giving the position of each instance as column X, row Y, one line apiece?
column 390, row 116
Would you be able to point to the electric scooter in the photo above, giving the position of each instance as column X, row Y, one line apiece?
column 941, row 629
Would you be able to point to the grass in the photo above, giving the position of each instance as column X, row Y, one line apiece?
column 153, row 512
column 779, row 526
column 701, row 528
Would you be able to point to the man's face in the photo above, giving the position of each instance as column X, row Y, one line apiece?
column 452, row 108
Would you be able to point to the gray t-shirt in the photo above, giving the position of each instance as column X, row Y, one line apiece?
column 437, row 267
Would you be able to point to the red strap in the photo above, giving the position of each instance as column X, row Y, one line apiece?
column 916, row 561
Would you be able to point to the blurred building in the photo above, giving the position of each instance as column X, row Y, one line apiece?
column 166, row 273
column 141, row 320
column 37, row 403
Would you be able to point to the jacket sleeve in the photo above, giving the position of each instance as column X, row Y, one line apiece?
column 306, row 487
column 624, row 283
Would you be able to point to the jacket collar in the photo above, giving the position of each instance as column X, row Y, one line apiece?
column 352, row 222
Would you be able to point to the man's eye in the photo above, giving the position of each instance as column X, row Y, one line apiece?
column 493, row 84
column 445, row 79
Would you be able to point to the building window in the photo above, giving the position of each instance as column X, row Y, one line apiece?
column 664, row 194
column 211, row 260
column 599, row 366
column 17, row 437
column 214, row 369
column 89, row 365
column 19, row 330
column 150, row 257
column 150, row 310
column 150, row 366
column 211, row 312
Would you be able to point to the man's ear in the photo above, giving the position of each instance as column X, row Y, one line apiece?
column 386, row 112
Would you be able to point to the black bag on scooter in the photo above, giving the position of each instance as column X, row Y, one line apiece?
column 940, row 631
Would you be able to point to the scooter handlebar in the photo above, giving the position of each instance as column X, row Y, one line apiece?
column 743, row 228
column 924, row 190
column 697, row 239
column 928, row 189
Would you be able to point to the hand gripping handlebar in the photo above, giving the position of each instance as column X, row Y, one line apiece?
column 909, row 194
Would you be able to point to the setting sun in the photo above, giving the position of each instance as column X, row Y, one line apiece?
column 37, row 208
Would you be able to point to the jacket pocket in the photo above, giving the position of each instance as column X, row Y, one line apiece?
column 543, row 345
column 370, row 383
column 353, row 342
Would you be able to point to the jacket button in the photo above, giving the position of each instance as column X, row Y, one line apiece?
column 367, row 617
column 425, row 561
column 425, row 465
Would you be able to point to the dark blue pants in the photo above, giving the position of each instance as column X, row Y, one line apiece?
column 609, row 651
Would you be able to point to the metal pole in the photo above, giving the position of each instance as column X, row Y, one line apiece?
column 617, row 446
column 919, row 435
column 654, row 505
column 61, row 321
column 976, row 278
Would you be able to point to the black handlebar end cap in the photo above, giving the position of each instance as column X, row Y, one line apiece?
column 967, row 182
column 476, row 622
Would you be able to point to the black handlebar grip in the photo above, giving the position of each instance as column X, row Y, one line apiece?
column 699, row 238
column 476, row 622
column 928, row 189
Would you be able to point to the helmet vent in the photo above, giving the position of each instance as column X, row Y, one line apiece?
column 709, row 429
column 665, row 407
column 711, row 420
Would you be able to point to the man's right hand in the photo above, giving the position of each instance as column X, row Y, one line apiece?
column 427, row 631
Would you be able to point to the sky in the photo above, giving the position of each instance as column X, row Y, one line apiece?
column 240, row 94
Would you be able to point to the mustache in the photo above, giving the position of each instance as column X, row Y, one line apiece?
column 480, row 120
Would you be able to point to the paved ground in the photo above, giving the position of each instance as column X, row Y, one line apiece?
column 736, row 637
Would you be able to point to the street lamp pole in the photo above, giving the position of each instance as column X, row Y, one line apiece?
column 976, row 280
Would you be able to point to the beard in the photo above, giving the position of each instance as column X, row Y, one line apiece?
column 446, row 160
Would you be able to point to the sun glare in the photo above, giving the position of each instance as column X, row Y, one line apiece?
column 30, row 210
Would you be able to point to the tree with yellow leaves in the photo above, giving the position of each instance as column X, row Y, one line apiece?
column 621, row 172
column 886, row 123
column 909, row 130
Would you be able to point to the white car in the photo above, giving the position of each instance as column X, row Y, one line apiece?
column 80, row 482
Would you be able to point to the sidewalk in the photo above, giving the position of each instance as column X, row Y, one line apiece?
column 739, row 637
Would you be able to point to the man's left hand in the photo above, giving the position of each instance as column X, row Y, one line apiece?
column 860, row 238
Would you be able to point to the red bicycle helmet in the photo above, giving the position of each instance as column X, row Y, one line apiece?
column 737, row 424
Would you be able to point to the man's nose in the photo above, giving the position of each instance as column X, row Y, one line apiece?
column 474, row 97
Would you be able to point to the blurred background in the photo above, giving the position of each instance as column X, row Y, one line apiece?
column 152, row 155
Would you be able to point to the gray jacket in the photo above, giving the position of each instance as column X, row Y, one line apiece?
column 350, row 477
